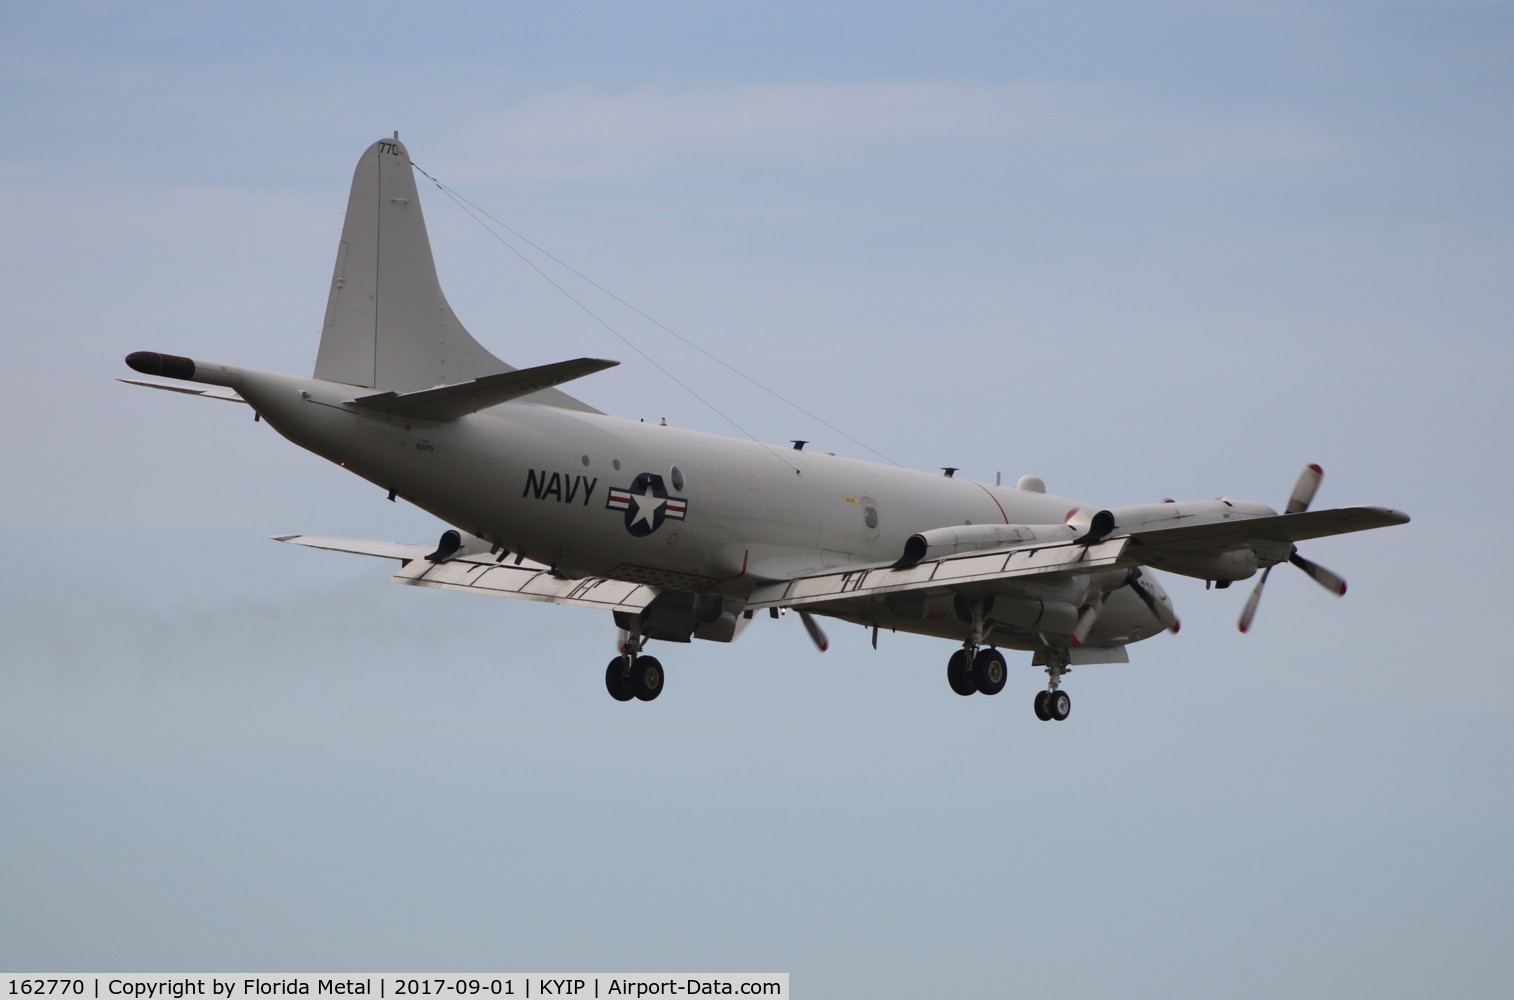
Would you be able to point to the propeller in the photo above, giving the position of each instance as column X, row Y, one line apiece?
column 1162, row 611
column 1304, row 489
column 1086, row 619
column 1095, row 606
column 813, row 628
column 817, row 635
column 1298, row 502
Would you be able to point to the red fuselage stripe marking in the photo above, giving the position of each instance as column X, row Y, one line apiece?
column 995, row 499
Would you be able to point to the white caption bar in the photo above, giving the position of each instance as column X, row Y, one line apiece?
column 390, row 986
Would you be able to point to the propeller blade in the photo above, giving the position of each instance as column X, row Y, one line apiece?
column 1304, row 489
column 813, row 628
column 1086, row 619
column 1249, row 612
column 1162, row 612
column 1320, row 575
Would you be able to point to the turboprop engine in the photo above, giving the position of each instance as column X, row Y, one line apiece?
column 1228, row 565
column 455, row 542
column 938, row 543
column 1170, row 514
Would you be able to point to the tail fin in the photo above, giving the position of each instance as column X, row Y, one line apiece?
column 388, row 325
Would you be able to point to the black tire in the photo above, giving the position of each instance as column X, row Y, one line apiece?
column 1041, row 712
column 990, row 671
column 646, row 678
column 1059, row 705
column 616, row 681
column 959, row 673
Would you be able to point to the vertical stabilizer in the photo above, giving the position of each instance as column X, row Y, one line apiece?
column 388, row 325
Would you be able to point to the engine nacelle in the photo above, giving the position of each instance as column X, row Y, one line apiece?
column 1232, row 564
column 938, row 543
column 1026, row 614
column 679, row 616
column 455, row 542
column 1155, row 516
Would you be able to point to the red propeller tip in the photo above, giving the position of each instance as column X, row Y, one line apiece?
column 1316, row 468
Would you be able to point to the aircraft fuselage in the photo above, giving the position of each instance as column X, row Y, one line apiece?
column 591, row 494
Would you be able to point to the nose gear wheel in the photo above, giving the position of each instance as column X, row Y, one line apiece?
column 1054, row 704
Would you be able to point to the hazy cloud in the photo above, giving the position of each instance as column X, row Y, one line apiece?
column 594, row 134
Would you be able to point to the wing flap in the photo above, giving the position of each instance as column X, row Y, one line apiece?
column 953, row 573
column 527, row 583
column 447, row 402
column 482, row 575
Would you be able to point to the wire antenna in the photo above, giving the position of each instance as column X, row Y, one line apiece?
column 479, row 214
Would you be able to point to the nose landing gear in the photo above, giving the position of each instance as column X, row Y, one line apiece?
column 1054, row 703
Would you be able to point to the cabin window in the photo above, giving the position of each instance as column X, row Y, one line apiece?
column 676, row 475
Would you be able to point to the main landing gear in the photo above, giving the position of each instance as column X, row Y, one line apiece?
column 980, row 672
column 632, row 675
column 973, row 669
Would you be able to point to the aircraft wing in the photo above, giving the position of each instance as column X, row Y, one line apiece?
column 1279, row 528
column 972, row 571
column 482, row 575
column 977, row 572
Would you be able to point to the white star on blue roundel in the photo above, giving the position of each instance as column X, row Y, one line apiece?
column 646, row 504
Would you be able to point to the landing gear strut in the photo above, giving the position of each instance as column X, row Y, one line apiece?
column 632, row 675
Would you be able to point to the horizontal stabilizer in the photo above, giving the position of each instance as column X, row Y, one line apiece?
column 448, row 402
column 211, row 392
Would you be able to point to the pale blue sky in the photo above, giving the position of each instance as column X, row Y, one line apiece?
column 1170, row 249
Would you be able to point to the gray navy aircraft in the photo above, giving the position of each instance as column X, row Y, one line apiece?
column 683, row 535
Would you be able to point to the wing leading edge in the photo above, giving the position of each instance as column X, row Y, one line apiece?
column 1277, row 528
